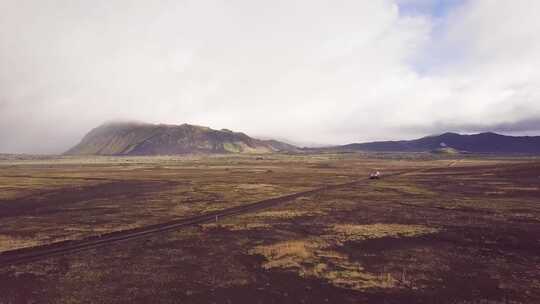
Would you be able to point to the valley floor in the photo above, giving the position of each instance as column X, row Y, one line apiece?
column 443, row 231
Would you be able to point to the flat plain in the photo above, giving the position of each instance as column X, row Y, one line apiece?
column 433, row 229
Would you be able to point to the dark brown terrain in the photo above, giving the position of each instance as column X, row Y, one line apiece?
column 433, row 229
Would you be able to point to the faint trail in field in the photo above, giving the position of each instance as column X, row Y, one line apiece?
column 30, row 254
column 457, row 209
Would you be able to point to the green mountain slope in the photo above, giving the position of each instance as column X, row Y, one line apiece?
column 132, row 138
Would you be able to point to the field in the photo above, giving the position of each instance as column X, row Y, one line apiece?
column 434, row 229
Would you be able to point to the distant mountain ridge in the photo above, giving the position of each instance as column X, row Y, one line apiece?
column 476, row 143
column 135, row 138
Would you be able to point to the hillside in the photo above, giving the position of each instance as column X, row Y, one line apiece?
column 476, row 143
column 133, row 138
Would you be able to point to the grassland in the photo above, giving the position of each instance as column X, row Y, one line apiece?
column 452, row 231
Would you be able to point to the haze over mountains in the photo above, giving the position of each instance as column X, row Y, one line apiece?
column 135, row 138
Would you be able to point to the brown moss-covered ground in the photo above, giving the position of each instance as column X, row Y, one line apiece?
column 461, row 231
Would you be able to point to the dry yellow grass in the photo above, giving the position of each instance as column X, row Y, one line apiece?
column 258, row 220
column 282, row 214
column 11, row 243
column 348, row 232
column 287, row 254
column 313, row 258
column 237, row 226
column 254, row 186
column 404, row 188
column 516, row 188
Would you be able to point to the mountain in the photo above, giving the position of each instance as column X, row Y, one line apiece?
column 476, row 143
column 134, row 138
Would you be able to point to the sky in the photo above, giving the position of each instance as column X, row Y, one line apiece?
column 309, row 71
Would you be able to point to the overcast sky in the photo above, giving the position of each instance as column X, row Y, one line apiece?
column 310, row 71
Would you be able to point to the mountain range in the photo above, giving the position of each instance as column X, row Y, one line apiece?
column 476, row 143
column 134, row 138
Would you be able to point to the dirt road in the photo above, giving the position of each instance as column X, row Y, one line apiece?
column 29, row 254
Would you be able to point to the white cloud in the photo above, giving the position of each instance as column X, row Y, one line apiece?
column 494, row 78
column 315, row 71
